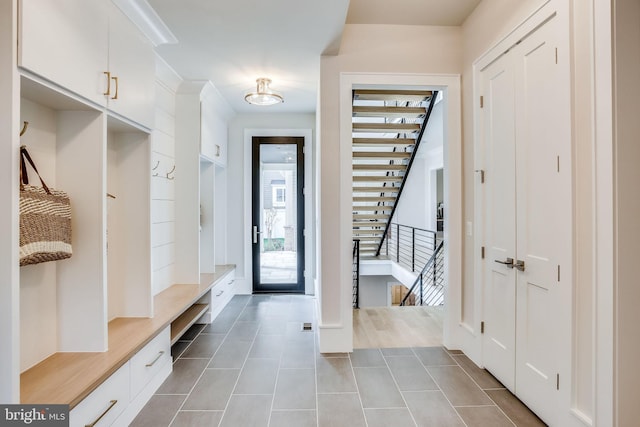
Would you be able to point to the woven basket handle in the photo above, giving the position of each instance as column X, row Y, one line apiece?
column 24, row 176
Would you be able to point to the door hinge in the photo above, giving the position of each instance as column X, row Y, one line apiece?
column 558, row 163
column 482, row 327
column 481, row 101
column 557, row 381
column 482, row 252
column 481, row 172
column 558, row 273
column 556, row 55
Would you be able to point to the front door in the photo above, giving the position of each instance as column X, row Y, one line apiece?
column 278, row 214
column 527, row 196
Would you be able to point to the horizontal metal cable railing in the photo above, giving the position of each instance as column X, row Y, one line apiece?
column 356, row 273
column 410, row 247
column 428, row 287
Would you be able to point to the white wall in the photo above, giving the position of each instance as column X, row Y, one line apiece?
column 163, row 190
column 627, row 205
column 38, row 283
column 365, row 49
column 239, row 186
column 416, row 207
column 9, row 151
column 374, row 291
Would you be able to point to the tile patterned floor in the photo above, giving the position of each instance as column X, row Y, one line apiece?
column 254, row 366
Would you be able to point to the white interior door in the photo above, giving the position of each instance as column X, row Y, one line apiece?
column 543, row 216
column 500, row 220
column 527, row 196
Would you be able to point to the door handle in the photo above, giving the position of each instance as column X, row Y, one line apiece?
column 255, row 234
column 519, row 265
column 508, row 262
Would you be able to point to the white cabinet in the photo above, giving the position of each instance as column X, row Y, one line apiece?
column 131, row 68
column 201, row 127
column 121, row 396
column 89, row 48
column 213, row 139
column 149, row 361
column 222, row 293
column 105, row 403
column 50, row 45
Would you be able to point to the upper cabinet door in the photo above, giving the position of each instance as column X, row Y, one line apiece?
column 213, row 133
column 66, row 42
column 132, row 68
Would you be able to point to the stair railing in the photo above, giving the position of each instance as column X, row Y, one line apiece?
column 432, row 101
column 356, row 274
column 410, row 247
column 429, row 285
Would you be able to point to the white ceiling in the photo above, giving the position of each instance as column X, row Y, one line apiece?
column 233, row 42
column 410, row 12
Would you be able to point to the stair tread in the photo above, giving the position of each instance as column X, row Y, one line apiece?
column 389, row 95
column 374, row 199
column 370, row 216
column 384, row 141
column 377, row 178
column 389, row 112
column 379, row 189
column 371, row 208
column 381, row 154
column 366, row 167
column 386, row 127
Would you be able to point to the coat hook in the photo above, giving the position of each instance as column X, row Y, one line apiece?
column 170, row 172
column 25, row 125
column 156, row 167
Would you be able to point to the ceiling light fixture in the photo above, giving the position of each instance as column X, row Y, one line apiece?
column 263, row 95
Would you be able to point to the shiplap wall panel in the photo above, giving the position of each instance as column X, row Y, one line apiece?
column 163, row 189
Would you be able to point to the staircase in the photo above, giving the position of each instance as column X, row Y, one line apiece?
column 387, row 128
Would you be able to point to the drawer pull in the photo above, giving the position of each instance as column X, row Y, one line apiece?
column 219, row 293
column 148, row 365
column 112, row 404
column 231, row 282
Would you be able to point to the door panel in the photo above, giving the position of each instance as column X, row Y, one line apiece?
column 527, row 192
column 278, row 215
column 500, row 227
column 543, row 228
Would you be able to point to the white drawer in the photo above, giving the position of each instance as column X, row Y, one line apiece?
column 221, row 294
column 105, row 403
column 146, row 363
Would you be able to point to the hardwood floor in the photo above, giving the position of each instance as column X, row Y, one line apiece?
column 385, row 327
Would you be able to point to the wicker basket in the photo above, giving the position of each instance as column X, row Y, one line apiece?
column 45, row 220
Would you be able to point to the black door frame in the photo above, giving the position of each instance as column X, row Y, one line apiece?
column 256, row 189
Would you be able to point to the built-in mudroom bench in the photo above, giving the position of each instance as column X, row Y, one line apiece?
column 116, row 384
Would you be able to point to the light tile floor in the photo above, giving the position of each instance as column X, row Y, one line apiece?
column 254, row 366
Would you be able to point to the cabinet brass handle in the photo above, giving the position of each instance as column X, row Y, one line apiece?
column 112, row 404
column 148, row 365
column 108, row 74
column 116, row 95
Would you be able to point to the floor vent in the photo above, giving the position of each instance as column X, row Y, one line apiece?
column 307, row 327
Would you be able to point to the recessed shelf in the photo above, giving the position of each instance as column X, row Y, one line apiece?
column 186, row 320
